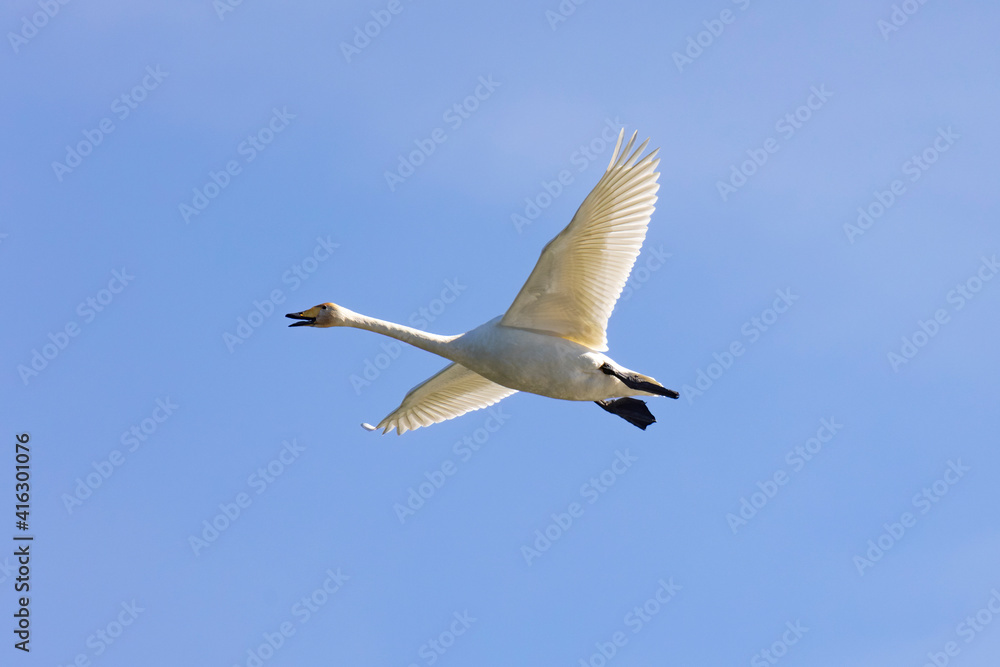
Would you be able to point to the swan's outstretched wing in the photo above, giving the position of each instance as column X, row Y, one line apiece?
column 452, row 392
column 582, row 271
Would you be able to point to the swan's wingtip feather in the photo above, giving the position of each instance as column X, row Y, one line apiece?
column 614, row 153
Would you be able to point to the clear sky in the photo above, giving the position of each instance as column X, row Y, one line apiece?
column 819, row 281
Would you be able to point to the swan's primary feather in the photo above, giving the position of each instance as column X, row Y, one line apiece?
column 583, row 270
column 451, row 393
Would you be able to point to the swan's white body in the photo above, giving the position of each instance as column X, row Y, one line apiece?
column 538, row 363
column 552, row 338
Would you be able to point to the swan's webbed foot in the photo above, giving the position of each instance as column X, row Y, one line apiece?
column 631, row 410
column 639, row 383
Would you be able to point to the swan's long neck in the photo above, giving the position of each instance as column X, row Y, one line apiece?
column 434, row 343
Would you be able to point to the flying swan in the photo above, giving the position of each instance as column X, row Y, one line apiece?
column 551, row 339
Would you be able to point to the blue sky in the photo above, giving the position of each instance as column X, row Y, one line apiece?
column 817, row 281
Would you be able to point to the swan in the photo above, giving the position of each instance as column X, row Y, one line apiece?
column 552, row 338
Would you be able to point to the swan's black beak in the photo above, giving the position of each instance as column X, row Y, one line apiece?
column 306, row 321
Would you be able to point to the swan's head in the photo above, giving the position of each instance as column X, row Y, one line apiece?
column 323, row 315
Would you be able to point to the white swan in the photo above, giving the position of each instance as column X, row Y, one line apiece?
column 550, row 341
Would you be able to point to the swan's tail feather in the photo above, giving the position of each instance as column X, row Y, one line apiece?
column 639, row 381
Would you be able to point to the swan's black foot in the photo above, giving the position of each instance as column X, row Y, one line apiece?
column 631, row 410
column 635, row 381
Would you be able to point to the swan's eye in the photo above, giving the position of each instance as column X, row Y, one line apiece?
column 324, row 307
